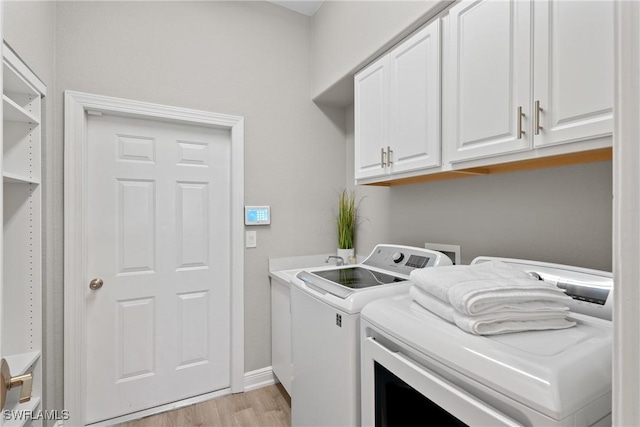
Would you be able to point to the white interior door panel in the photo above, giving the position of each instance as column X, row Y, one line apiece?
column 158, row 330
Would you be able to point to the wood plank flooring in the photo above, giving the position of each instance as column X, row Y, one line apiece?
column 265, row 407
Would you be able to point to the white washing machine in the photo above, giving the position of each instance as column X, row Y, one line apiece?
column 416, row 365
column 325, row 334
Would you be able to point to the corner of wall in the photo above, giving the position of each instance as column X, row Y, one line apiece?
column 347, row 35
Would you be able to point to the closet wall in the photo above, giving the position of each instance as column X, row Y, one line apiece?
column 29, row 29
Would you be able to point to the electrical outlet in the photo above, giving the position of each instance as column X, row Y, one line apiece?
column 452, row 251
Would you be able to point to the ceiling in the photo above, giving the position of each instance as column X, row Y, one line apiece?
column 306, row 7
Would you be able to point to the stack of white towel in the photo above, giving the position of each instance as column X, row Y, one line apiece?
column 490, row 298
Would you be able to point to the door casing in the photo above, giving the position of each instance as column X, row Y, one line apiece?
column 77, row 105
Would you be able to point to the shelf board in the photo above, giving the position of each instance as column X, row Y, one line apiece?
column 581, row 157
column 20, row 364
column 17, row 408
column 14, row 113
column 13, row 82
column 15, row 178
column 17, row 76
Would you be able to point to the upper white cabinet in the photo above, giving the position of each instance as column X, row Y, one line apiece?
column 397, row 108
column 573, row 69
column 414, row 101
column 371, row 121
column 488, row 108
column 524, row 84
column 487, row 77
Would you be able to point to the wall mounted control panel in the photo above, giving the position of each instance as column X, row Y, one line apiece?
column 257, row 215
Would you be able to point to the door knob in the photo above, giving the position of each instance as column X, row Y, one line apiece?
column 7, row 382
column 96, row 284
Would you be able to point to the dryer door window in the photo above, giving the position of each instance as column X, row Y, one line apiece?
column 394, row 384
column 399, row 404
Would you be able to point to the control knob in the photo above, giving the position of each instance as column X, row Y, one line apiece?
column 397, row 257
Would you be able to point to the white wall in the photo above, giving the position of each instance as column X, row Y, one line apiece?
column 244, row 58
column 626, row 222
column 348, row 34
column 560, row 215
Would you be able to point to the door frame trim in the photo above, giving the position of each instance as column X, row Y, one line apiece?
column 76, row 106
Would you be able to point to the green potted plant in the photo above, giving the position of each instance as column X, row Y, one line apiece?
column 346, row 225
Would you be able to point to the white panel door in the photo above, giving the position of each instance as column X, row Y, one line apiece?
column 414, row 75
column 158, row 330
column 371, row 122
column 573, row 70
column 488, row 78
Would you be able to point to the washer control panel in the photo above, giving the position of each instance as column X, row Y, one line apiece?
column 404, row 259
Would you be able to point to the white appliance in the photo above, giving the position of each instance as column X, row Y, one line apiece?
column 325, row 315
column 418, row 366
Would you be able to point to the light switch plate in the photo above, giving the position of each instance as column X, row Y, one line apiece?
column 251, row 239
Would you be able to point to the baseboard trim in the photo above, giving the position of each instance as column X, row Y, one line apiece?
column 252, row 380
column 259, row 378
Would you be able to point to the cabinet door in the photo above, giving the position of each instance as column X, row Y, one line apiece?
column 281, row 332
column 573, row 70
column 371, row 123
column 488, row 78
column 414, row 92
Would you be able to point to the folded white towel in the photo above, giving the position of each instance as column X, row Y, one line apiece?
column 485, row 296
column 495, row 327
column 445, row 310
column 485, row 288
column 431, row 303
column 528, row 316
column 437, row 281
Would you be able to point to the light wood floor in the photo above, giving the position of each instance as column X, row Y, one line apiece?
column 265, row 407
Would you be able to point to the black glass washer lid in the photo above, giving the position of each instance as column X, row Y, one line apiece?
column 357, row 277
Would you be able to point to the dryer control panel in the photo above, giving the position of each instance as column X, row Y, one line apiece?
column 591, row 290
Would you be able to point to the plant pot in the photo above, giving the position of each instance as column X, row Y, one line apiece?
column 348, row 255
